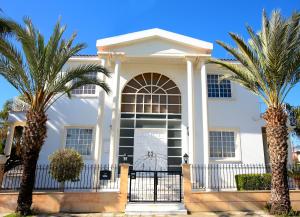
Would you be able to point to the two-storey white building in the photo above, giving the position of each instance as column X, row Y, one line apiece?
column 165, row 102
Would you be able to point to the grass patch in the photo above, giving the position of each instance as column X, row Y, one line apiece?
column 292, row 213
column 16, row 215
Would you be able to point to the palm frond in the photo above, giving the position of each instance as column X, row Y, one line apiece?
column 37, row 70
column 270, row 60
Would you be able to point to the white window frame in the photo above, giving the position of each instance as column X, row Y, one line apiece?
column 86, row 95
column 64, row 138
column 232, row 85
column 237, row 138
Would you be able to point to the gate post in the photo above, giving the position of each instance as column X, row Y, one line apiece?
column 124, row 180
column 187, row 184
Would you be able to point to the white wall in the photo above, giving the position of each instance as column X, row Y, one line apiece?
column 241, row 113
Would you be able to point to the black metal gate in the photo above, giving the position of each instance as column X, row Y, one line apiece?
column 155, row 186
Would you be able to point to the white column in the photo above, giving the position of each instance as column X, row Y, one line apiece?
column 115, row 113
column 191, row 109
column 204, row 118
column 100, row 116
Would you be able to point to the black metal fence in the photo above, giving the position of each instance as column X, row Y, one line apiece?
column 93, row 177
column 218, row 177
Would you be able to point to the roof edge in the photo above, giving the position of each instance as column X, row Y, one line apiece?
column 156, row 32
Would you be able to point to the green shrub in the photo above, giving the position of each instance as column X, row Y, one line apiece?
column 65, row 165
column 253, row 181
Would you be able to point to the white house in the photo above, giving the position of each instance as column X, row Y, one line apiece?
column 165, row 102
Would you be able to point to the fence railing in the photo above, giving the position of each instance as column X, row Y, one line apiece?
column 218, row 177
column 93, row 177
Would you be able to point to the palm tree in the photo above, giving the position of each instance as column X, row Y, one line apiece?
column 36, row 72
column 270, row 68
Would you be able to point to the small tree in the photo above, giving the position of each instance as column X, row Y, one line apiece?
column 65, row 165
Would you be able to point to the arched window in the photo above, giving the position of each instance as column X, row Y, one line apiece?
column 152, row 102
column 151, row 93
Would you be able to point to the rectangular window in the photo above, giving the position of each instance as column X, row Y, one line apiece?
column 218, row 88
column 86, row 89
column 80, row 139
column 222, row 144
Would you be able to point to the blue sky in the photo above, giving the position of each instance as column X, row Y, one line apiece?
column 94, row 19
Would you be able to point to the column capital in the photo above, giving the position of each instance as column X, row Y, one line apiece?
column 111, row 56
column 120, row 57
column 190, row 58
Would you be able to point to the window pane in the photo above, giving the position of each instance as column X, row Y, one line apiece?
column 174, row 142
column 174, row 99
column 128, row 98
column 126, row 142
column 174, row 160
column 174, row 108
column 127, row 115
column 147, row 108
column 155, row 99
column 134, row 83
column 147, row 99
column 86, row 89
column 126, row 150
column 163, row 80
column 150, row 124
column 163, row 108
column 126, row 133
column 174, row 124
column 174, row 90
column 225, row 88
column 140, row 99
column 80, row 140
column 127, row 123
column 127, row 107
column 174, row 152
column 218, row 87
column 147, row 77
column 222, row 144
column 174, row 133
column 155, row 108
column 139, row 108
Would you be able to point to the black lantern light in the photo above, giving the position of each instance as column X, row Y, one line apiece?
column 185, row 158
column 125, row 158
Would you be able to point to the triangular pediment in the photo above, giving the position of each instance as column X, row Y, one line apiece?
column 154, row 42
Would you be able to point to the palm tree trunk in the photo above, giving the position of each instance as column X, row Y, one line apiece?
column 33, row 139
column 276, row 131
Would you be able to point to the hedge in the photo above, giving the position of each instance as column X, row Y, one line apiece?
column 253, row 181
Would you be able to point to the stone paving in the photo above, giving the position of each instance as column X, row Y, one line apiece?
column 199, row 214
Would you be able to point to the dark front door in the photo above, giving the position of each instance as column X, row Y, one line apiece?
column 155, row 186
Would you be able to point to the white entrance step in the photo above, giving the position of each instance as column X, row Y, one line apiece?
column 155, row 209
